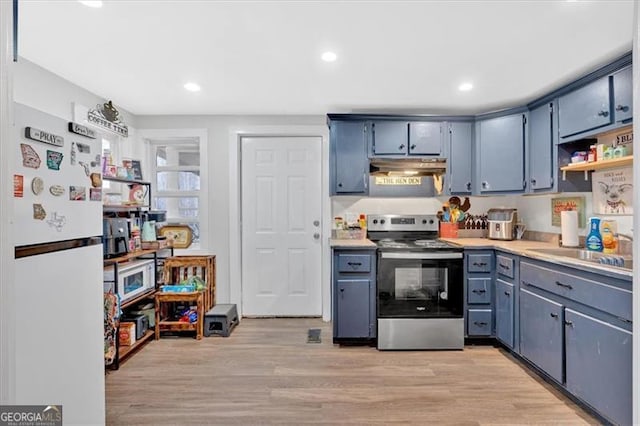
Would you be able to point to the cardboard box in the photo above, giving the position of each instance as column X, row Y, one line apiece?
column 127, row 334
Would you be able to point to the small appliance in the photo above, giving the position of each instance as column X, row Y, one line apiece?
column 502, row 224
column 130, row 279
column 141, row 322
column 115, row 236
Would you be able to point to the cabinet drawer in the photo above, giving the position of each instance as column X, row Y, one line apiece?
column 505, row 266
column 479, row 322
column 587, row 291
column 479, row 263
column 478, row 290
column 354, row 263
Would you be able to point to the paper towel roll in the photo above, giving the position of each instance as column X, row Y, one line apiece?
column 569, row 227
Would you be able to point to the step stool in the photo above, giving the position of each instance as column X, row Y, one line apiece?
column 220, row 320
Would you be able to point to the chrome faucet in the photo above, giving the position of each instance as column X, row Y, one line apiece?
column 627, row 236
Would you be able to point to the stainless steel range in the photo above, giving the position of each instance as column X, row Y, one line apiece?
column 419, row 284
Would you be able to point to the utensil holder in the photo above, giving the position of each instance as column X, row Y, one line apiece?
column 448, row 230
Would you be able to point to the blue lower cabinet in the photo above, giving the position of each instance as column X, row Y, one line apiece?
column 598, row 366
column 352, row 299
column 541, row 333
column 479, row 322
column 504, row 312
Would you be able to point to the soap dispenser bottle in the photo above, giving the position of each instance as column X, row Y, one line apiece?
column 594, row 238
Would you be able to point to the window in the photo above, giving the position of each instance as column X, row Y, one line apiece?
column 176, row 184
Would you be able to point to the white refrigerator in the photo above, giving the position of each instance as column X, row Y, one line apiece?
column 59, row 299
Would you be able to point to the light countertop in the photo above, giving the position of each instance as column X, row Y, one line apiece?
column 524, row 248
column 342, row 243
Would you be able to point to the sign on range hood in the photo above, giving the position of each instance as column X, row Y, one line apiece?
column 406, row 177
column 408, row 167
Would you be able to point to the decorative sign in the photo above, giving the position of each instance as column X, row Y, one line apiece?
column 398, row 180
column 106, row 116
column 77, row 193
column 54, row 159
column 568, row 203
column 39, row 212
column 56, row 190
column 82, row 130
column 613, row 191
column 95, row 194
column 30, row 157
column 84, row 148
column 57, row 221
column 137, row 169
column 624, row 139
column 42, row 136
column 37, row 185
column 18, row 186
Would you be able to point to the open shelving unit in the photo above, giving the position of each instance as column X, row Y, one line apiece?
column 596, row 165
column 126, row 350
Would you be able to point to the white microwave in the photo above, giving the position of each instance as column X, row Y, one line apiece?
column 134, row 278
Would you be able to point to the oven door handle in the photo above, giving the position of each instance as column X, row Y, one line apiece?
column 420, row 255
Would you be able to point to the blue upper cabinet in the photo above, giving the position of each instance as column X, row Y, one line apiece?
column 425, row 138
column 541, row 148
column 585, row 109
column 402, row 138
column 349, row 162
column 459, row 163
column 501, row 153
column 623, row 95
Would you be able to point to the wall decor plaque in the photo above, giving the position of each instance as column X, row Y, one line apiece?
column 57, row 190
column 560, row 204
column 54, row 159
column 39, row 212
column 81, row 130
column 613, row 191
column 30, row 157
column 398, row 180
column 42, row 136
column 181, row 235
column 107, row 117
column 18, row 186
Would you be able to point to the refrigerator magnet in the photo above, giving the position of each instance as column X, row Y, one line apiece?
column 57, row 221
column 73, row 153
column 18, row 186
column 96, row 180
column 39, row 212
column 95, row 194
column 83, row 148
column 30, row 157
column 85, row 166
column 37, row 185
column 96, row 163
column 56, row 190
column 77, row 193
column 54, row 158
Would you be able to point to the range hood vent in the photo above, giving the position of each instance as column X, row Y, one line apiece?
column 408, row 167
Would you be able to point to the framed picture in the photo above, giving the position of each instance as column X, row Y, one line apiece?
column 560, row 204
column 613, row 191
column 181, row 235
column 134, row 169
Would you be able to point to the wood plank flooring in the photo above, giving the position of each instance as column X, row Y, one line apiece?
column 266, row 373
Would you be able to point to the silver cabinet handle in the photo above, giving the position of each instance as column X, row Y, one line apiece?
column 485, row 185
column 553, row 315
column 413, row 146
column 603, row 113
column 622, row 108
column 401, row 147
column 468, row 186
column 568, row 323
column 507, row 293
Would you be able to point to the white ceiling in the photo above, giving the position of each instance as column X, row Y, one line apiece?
column 263, row 57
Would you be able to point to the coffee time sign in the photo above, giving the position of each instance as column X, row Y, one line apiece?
column 107, row 117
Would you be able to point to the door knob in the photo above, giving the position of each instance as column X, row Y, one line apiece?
column 316, row 236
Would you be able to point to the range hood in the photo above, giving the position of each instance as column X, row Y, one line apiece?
column 408, row 167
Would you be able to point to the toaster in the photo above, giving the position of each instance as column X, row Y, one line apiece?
column 502, row 223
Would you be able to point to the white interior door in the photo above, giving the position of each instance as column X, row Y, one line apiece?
column 281, row 226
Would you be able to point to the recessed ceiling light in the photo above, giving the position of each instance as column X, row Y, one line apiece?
column 192, row 87
column 465, row 87
column 91, row 3
column 329, row 56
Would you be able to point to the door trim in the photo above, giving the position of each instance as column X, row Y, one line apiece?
column 235, row 226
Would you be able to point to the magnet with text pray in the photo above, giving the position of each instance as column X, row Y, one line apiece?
column 39, row 212
column 57, row 221
column 54, row 159
column 37, row 185
column 96, row 180
column 30, row 157
column 77, row 193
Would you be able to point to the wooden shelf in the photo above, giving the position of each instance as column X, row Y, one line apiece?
column 120, row 180
column 125, row 350
column 128, row 256
column 146, row 295
column 123, row 207
column 596, row 165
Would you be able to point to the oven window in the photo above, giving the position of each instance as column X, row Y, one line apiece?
column 420, row 288
column 133, row 282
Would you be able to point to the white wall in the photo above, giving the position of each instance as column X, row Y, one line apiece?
column 218, row 185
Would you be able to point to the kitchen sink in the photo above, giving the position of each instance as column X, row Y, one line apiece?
column 614, row 260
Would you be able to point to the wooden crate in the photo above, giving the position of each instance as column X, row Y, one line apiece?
column 179, row 268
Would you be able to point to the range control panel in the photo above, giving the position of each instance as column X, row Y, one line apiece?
column 392, row 222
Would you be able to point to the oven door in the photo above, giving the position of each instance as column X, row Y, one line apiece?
column 420, row 284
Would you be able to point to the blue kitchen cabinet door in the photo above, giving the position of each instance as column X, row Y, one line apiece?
column 501, row 154
column 585, row 109
column 349, row 157
column 479, row 290
column 504, row 312
column 425, row 138
column 541, row 333
column 390, row 138
column 598, row 369
column 541, row 147
column 352, row 299
column 460, row 161
column 623, row 95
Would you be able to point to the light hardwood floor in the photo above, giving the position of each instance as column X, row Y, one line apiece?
column 266, row 373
